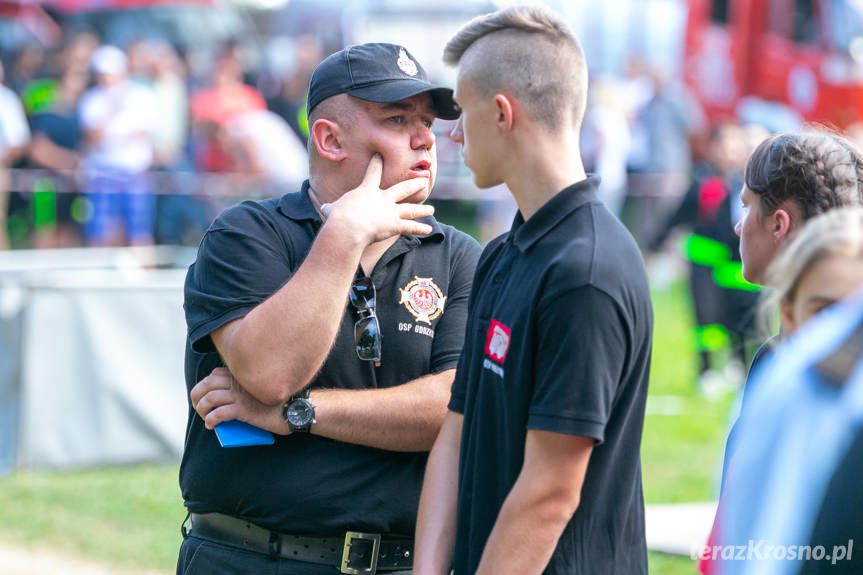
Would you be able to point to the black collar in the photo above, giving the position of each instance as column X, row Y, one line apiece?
column 298, row 206
column 527, row 233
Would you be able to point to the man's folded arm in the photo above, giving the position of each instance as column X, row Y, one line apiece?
column 406, row 417
column 303, row 316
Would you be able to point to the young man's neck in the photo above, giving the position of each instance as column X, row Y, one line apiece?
column 541, row 168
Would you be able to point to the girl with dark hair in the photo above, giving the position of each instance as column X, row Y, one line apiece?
column 788, row 179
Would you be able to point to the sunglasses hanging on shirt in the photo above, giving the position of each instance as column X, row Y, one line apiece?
column 367, row 333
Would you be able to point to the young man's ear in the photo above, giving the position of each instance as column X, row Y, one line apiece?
column 781, row 223
column 505, row 112
column 325, row 135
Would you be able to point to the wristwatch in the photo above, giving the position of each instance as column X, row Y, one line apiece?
column 299, row 412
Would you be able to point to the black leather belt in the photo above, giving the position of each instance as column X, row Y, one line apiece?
column 354, row 553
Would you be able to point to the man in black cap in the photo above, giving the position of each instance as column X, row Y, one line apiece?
column 334, row 318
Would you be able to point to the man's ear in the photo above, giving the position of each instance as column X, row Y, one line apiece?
column 781, row 223
column 505, row 112
column 325, row 135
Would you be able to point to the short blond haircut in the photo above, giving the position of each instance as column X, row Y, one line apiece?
column 530, row 52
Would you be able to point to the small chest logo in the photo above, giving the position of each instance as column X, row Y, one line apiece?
column 423, row 299
column 497, row 341
column 405, row 63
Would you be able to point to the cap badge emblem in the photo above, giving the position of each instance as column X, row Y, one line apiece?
column 405, row 63
column 423, row 299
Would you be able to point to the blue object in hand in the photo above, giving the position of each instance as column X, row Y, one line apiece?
column 236, row 433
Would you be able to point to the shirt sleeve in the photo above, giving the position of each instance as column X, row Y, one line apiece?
column 450, row 330
column 458, row 391
column 241, row 262
column 580, row 357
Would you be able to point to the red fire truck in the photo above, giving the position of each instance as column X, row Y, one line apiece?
column 797, row 58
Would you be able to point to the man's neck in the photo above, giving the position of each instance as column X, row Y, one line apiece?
column 373, row 252
column 541, row 168
column 316, row 201
column 324, row 190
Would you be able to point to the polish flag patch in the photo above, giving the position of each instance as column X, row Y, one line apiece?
column 497, row 341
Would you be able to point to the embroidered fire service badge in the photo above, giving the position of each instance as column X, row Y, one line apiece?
column 423, row 299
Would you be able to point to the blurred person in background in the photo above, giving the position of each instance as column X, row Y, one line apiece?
column 795, row 479
column 79, row 50
column 227, row 95
column 166, row 75
column 28, row 66
column 660, row 160
column 38, row 81
column 118, row 118
column 211, row 108
column 290, row 101
column 724, row 307
column 57, row 139
column 14, row 136
column 140, row 56
column 268, row 151
column 340, row 311
column 181, row 215
column 789, row 178
column 606, row 141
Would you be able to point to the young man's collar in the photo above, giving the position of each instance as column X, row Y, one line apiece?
column 525, row 234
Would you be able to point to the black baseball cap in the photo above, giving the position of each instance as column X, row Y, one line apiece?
column 377, row 73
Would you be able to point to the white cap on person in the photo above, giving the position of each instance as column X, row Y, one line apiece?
column 109, row 60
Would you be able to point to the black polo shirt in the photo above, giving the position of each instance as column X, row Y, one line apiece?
column 306, row 483
column 559, row 337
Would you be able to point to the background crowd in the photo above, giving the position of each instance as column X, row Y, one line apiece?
column 101, row 143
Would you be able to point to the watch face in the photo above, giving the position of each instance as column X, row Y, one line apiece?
column 299, row 413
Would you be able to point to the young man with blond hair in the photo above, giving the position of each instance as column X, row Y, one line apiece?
column 537, row 468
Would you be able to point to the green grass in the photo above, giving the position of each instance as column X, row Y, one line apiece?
column 125, row 517
column 97, row 514
column 683, row 431
column 663, row 564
